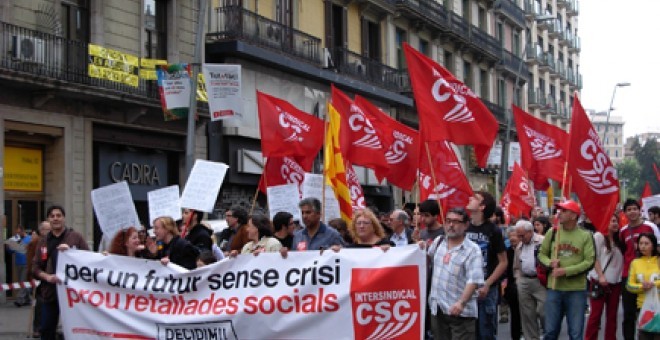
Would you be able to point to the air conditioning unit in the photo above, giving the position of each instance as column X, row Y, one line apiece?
column 28, row 49
column 273, row 32
column 326, row 59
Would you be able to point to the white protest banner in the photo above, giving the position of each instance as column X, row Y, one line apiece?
column 223, row 86
column 648, row 202
column 203, row 185
column 164, row 202
column 312, row 186
column 351, row 294
column 114, row 208
column 284, row 198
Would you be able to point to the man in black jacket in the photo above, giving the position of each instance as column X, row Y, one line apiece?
column 199, row 235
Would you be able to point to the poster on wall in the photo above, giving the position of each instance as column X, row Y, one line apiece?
column 174, row 86
column 223, row 88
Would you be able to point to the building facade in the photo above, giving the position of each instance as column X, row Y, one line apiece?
column 610, row 132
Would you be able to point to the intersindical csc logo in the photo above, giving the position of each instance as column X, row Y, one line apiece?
column 386, row 303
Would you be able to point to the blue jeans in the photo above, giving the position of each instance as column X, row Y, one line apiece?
column 565, row 303
column 487, row 323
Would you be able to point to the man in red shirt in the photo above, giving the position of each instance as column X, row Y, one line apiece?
column 628, row 234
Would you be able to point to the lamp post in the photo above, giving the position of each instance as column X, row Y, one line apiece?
column 609, row 109
column 516, row 86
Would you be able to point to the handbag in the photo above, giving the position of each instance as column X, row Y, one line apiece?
column 596, row 290
column 542, row 272
column 649, row 315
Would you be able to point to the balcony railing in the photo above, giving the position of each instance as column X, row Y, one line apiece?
column 534, row 98
column 57, row 61
column 550, row 105
column 512, row 11
column 233, row 22
column 554, row 29
column 497, row 110
column 485, row 42
column 534, row 55
column 369, row 70
column 430, row 11
column 532, row 9
column 573, row 8
column 579, row 81
column 459, row 27
column 574, row 44
column 514, row 65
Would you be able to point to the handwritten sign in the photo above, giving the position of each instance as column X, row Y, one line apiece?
column 313, row 187
column 114, row 208
column 203, row 185
column 164, row 202
column 284, row 198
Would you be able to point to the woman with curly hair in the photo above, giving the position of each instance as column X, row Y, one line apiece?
column 366, row 231
column 127, row 242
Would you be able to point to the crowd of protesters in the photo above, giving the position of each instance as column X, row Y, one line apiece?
column 543, row 272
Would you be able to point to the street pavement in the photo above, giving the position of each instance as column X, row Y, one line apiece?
column 14, row 323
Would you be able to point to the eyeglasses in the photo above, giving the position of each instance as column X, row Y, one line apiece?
column 363, row 222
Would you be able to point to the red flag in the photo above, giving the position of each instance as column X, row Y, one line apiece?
column 361, row 143
column 287, row 131
column 451, row 187
column 518, row 198
column 354, row 187
column 594, row 177
column 283, row 170
column 646, row 192
column 402, row 146
column 657, row 172
column 449, row 110
column 543, row 148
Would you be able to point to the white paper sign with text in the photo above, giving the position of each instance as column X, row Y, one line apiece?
column 164, row 202
column 114, row 208
column 203, row 185
column 284, row 198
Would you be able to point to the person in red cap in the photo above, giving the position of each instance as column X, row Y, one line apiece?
column 570, row 255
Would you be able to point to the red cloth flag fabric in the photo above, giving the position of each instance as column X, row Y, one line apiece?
column 361, row 143
column 543, row 148
column 355, row 188
column 518, row 198
column 594, row 177
column 449, row 110
column 283, row 170
column 451, row 187
column 335, row 167
column 646, row 192
column 657, row 172
column 287, row 131
column 401, row 143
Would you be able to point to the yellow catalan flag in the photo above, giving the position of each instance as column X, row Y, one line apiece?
column 335, row 171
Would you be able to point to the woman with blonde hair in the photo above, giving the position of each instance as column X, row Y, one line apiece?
column 171, row 247
column 366, row 230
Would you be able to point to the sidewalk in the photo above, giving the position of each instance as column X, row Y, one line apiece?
column 14, row 321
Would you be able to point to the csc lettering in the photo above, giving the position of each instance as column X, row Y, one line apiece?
column 382, row 312
column 289, row 175
column 590, row 151
column 357, row 122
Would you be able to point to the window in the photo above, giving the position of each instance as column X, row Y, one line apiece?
column 616, row 139
column 467, row 74
column 517, row 96
column 371, row 40
column 616, row 153
column 400, row 39
column 515, row 43
column 466, row 10
column 156, row 30
column 449, row 62
column 424, row 47
column 501, row 92
column 284, row 13
column 542, row 86
column 483, row 82
column 500, row 33
column 483, row 25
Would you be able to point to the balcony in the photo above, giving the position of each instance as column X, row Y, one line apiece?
column 574, row 44
column 512, row 12
column 534, row 99
column 553, row 68
column 549, row 106
column 429, row 12
column 562, row 3
column 237, row 32
column 554, row 29
column 513, row 65
column 497, row 110
column 547, row 62
column 564, row 38
column 534, row 55
column 532, row 10
column 573, row 8
column 570, row 75
column 561, row 69
column 579, row 81
column 60, row 64
column 459, row 28
column 484, row 43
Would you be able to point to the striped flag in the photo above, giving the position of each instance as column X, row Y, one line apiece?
column 334, row 168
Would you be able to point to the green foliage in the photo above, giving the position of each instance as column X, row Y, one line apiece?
column 628, row 172
column 646, row 155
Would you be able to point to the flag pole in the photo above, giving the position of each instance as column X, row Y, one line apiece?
column 435, row 184
column 254, row 199
column 325, row 153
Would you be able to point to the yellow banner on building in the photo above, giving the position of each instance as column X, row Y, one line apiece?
column 112, row 65
column 23, row 169
column 202, row 95
column 148, row 68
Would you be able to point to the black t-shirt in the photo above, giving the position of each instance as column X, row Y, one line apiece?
column 286, row 241
column 489, row 238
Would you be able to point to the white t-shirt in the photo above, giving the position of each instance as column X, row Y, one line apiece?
column 614, row 269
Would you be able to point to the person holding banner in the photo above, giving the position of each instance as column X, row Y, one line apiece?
column 367, row 232
column 316, row 235
column 234, row 237
column 284, row 226
column 172, row 247
column 127, row 243
column 261, row 238
column 457, row 272
column 44, row 265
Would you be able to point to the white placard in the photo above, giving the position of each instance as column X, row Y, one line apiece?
column 203, row 185
column 114, row 208
column 175, row 87
column 313, row 187
column 223, row 86
column 495, row 155
column 514, row 154
column 284, row 198
column 648, row 202
column 164, row 202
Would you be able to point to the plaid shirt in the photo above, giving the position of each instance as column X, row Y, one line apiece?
column 449, row 280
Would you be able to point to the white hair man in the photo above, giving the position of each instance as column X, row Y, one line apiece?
column 531, row 293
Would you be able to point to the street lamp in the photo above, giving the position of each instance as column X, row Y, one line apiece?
column 516, row 87
column 609, row 109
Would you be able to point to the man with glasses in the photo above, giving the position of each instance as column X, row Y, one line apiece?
column 457, row 272
column 234, row 237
